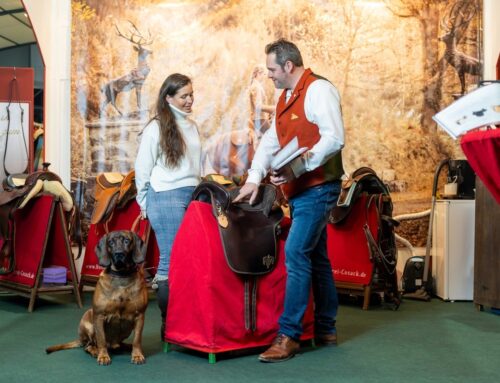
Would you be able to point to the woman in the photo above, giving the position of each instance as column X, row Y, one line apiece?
column 167, row 169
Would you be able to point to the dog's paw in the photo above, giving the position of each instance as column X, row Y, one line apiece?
column 103, row 360
column 138, row 359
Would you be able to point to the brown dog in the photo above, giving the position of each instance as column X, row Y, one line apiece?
column 119, row 303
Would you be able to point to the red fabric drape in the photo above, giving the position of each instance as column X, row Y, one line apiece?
column 482, row 149
column 206, row 303
column 39, row 233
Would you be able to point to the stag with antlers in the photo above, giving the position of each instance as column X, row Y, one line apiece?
column 136, row 77
column 454, row 24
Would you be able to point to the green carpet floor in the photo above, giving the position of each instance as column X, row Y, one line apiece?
column 421, row 342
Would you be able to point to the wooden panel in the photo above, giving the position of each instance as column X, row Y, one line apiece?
column 487, row 248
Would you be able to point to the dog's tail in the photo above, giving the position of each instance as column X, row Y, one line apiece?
column 65, row 346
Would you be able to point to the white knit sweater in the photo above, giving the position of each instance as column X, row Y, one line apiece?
column 150, row 167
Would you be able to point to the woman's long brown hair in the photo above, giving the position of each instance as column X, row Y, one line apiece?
column 171, row 141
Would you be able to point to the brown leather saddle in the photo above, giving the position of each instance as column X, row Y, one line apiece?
column 19, row 190
column 249, row 234
column 362, row 180
column 112, row 191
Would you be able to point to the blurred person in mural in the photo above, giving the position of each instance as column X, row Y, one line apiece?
column 309, row 109
column 230, row 153
column 167, row 170
column 260, row 112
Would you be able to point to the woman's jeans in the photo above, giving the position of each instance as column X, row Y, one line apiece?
column 165, row 211
column 307, row 262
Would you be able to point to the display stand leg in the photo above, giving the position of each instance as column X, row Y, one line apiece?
column 211, row 358
column 69, row 253
column 366, row 298
column 167, row 347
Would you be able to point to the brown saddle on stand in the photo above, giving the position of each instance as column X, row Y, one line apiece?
column 112, row 191
column 19, row 190
column 249, row 235
column 382, row 250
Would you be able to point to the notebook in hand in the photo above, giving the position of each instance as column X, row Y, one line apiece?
column 287, row 154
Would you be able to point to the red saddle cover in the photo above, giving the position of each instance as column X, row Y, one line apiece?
column 122, row 219
column 39, row 236
column 347, row 245
column 206, row 302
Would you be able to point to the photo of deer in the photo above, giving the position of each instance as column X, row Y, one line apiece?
column 454, row 24
column 135, row 78
column 396, row 63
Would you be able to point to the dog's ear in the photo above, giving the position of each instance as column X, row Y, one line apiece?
column 101, row 250
column 139, row 249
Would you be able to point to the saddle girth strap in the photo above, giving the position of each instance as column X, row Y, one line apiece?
column 250, row 303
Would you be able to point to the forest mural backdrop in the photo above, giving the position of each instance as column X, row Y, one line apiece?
column 395, row 62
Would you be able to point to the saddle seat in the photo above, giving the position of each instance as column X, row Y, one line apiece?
column 113, row 190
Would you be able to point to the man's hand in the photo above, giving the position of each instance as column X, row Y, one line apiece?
column 249, row 189
column 284, row 175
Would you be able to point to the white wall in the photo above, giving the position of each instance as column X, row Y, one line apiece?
column 51, row 20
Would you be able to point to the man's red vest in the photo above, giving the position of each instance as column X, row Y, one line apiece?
column 291, row 122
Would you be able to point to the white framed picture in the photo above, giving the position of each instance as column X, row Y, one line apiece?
column 14, row 137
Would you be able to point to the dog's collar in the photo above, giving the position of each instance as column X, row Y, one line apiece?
column 121, row 274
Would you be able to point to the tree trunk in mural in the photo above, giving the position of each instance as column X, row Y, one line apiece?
column 456, row 18
column 433, row 68
column 427, row 14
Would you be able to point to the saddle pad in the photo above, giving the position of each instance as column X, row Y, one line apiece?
column 55, row 274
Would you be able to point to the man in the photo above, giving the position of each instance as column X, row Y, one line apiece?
column 309, row 109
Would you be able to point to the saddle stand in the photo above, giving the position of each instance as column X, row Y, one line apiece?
column 361, row 241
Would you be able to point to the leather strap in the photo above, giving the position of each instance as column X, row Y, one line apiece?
column 250, row 303
column 376, row 254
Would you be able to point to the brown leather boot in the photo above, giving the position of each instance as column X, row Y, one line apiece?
column 326, row 339
column 283, row 348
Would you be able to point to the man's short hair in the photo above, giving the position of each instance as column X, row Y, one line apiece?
column 285, row 51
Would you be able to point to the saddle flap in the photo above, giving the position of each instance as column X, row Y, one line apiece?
column 104, row 204
column 128, row 190
column 250, row 240
column 361, row 180
column 248, row 232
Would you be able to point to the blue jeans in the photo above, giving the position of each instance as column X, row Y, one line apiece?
column 165, row 211
column 307, row 262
